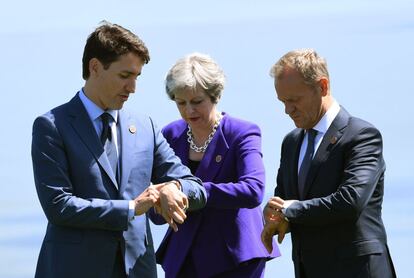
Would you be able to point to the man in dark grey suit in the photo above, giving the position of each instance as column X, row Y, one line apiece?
column 330, row 182
column 99, row 168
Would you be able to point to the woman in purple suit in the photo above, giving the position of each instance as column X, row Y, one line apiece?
column 223, row 239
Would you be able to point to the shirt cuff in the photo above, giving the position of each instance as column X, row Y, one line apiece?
column 131, row 210
column 285, row 206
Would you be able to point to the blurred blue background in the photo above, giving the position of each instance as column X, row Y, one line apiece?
column 368, row 45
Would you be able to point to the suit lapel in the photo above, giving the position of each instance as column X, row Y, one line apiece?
column 84, row 128
column 329, row 141
column 128, row 131
column 213, row 157
column 293, row 165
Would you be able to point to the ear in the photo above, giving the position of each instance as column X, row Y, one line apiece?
column 324, row 86
column 94, row 67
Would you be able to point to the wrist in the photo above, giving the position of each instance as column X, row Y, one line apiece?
column 177, row 184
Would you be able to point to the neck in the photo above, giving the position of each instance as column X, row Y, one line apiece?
column 91, row 93
column 326, row 104
column 201, row 134
column 199, row 142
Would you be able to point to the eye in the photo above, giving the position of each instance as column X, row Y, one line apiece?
column 124, row 75
column 196, row 102
column 180, row 103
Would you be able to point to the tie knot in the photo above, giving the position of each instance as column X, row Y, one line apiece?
column 106, row 117
column 106, row 131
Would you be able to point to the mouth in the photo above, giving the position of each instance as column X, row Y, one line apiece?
column 193, row 119
column 124, row 97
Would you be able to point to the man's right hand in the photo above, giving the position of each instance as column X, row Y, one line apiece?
column 146, row 200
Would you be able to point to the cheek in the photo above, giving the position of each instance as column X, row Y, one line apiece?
column 181, row 110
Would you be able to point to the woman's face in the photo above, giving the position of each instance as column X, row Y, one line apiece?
column 196, row 108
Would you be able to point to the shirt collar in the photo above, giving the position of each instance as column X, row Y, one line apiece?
column 94, row 111
column 327, row 119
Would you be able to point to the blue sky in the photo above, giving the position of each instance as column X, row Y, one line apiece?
column 368, row 45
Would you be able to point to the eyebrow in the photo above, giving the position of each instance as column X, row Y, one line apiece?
column 131, row 72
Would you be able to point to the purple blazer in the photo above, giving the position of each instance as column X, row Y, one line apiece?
column 227, row 231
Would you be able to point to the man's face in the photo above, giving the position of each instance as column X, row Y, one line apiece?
column 114, row 84
column 303, row 103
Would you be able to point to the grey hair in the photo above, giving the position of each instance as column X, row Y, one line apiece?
column 307, row 62
column 195, row 71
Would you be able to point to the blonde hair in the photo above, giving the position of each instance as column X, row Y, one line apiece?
column 306, row 62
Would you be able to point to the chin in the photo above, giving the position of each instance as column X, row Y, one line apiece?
column 117, row 107
column 298, row 125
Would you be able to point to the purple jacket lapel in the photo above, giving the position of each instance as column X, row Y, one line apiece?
column 214, row 155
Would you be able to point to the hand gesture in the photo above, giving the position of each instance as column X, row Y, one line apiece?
column 146, row 200
column 172, row 203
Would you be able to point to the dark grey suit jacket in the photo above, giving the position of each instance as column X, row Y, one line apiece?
column 340, row 217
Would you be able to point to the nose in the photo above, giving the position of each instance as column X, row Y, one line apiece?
column 130, row 86
column 189, row 109
column 289, row 108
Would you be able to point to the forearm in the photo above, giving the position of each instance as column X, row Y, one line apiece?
column 247, row 193
column 93, row 213
column 196, row 194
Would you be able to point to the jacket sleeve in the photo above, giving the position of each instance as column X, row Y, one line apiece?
column 56, row 191
column 364, row 167
column 248, row 190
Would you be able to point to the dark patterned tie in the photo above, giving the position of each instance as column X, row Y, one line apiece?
column 306, row 162
column 108, row 142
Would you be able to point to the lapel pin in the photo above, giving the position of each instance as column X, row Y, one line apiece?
column 333, row 139
column 218, row 158
column 132, row 129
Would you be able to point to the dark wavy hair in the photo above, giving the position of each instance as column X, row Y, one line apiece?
column 108, row 42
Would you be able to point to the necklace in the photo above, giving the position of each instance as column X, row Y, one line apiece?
column 203, row 148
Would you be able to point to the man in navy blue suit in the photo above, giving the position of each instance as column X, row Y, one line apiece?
column 330, row 182
column 98, row 169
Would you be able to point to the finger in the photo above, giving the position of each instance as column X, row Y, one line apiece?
column 153, row 191
column 174, row 226
column 157, row 208
column 170, row 222
column 158, row 186
column 267, row 241
column 269, row 245
column 185, row 202
column 179, row 216
column 275, row 205
column 281, row 236
column 263, row 236
column 167, row 218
